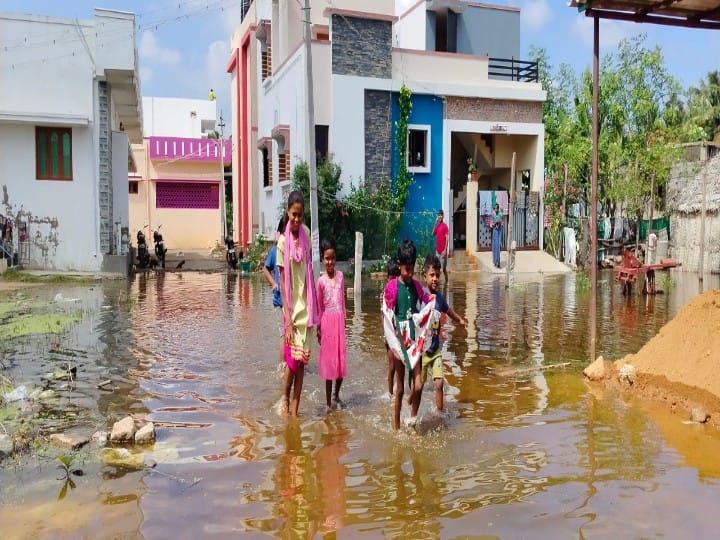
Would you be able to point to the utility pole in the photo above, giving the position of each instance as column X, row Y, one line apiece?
column 223, row 223
column 511, row 219
column 312, row 165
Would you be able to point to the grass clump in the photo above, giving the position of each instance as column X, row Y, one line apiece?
column 17, row 276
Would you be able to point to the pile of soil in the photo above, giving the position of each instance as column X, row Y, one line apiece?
column 681, row 364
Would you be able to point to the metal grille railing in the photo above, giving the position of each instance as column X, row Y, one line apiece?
column 512, row 69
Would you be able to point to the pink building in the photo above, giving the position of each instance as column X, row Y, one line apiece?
column 177, row 186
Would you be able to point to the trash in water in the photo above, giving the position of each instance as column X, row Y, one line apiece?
column 18, row 394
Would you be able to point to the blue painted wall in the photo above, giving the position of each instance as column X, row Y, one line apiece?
column 426, row 192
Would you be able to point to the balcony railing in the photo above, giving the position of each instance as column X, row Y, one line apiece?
column 512, row 70
column 189, row 149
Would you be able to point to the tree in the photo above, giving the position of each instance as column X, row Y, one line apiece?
column 332, row 218
column 704, row 106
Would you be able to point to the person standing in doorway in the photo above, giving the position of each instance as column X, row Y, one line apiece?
column 496, row 235
column 440, row 232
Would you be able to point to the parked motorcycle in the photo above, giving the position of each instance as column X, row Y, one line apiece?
column 160, row 249
column 143, row 255
column 231, row 255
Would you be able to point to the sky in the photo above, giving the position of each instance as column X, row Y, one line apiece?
column 184, row 45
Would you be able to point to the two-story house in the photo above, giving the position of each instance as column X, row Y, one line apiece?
column 472, row 99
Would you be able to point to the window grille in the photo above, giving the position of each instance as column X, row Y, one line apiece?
column 187, row 195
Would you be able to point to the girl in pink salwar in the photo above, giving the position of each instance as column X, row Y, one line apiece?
column 331, row 328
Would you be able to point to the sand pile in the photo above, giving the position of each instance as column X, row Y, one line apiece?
column 687, row 349
column 679, row 366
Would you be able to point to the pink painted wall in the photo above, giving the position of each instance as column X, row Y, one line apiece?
column 189, row 149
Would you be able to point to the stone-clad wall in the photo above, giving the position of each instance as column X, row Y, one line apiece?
column 684, row 203
column 378, row 135
column 361, row 47
column 492, row 110
column 105, row 169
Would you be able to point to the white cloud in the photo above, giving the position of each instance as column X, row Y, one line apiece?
column 146, row 75
column 230, row 16
column 611, row 32
column 535, row 14
column 150, row 50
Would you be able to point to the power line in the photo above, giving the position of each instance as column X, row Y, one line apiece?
column 108, row 38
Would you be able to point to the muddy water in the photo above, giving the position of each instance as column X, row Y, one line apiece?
column 520, row 454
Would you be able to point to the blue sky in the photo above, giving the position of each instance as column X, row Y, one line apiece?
column 184, row 45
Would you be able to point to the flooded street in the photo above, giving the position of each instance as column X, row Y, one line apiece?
column 520, row 454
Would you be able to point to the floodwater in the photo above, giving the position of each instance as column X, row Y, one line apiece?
column 521, row 453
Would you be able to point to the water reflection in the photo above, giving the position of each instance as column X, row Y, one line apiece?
column 198, row 353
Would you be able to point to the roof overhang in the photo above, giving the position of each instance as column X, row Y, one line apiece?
column 125, row 89
column 683, row 13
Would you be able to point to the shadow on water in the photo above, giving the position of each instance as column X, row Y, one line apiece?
column 517, row 452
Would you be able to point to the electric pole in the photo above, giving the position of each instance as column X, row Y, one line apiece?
column 223, row 224
column 312, row 165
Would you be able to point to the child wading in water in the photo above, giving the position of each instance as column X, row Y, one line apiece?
column 331, row 327
column 403, row 295
column 271, row 271
column 297, row 288
column 432, row 357
column 393, row 271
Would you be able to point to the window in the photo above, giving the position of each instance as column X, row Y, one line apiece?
column 418, row 148
column 267, row 167
column 53, row 153
column 187, row 195
column 321, row 143
column 284, row 166
column 133, row 186
column 266, row 61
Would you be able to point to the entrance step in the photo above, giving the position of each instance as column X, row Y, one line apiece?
column 462, row 263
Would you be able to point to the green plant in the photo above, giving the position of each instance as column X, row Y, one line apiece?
column 666, row 283
column 66, row 464
column 472, row 168
column 380, row 265
column 13, row 274
column 332, row 216
column 403, row 179
column 582, row 281
column 257, row 252
column 371, row 210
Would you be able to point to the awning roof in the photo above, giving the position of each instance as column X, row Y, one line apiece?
column 685, row 13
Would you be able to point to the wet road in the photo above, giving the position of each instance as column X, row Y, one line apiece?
column 524, row 455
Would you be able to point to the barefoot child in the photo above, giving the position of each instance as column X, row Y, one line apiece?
column 331, row 327
column 403, row 296
column 432, row 357
column 393, row 271
column 297, row 288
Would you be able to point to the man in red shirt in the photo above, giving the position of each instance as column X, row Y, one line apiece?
column 440, row 232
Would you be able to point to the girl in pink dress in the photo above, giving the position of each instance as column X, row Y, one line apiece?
column 331, row 329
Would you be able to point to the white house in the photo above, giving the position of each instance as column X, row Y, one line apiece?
column 471, row 99
column 177, row 184
column 69, row 108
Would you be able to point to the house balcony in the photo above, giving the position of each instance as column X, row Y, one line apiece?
column 189, row 149
column 467, row 74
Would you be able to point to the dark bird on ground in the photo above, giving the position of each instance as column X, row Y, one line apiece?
column 180, row 265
